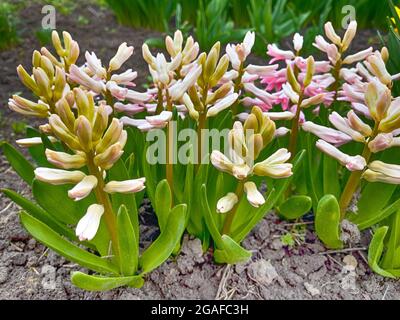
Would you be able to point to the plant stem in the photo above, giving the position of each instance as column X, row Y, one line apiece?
column 103, row 199
column 159, row 101
column 169, row 148
column 231, row 215
column 201, row 125
column 295, row 127
column 354, row 179
column 237, row 87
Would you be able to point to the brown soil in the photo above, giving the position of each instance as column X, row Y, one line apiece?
column 29, row 271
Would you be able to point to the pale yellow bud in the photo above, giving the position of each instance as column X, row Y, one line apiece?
column 291, row 78
column 83, row 131
column 111, row 136
column 106, row 159
column 65, row 160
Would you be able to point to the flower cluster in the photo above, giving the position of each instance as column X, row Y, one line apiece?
column 245, row 144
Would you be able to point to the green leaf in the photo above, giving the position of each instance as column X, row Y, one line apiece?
column 100, row 283
column 231, row 252
column 119, row 173
column 327, row 222
column 375, row 252
column 163, row 246
column 295, row 207
column 128, row 245
column 241, row 232
column 40, row 214
column 37, row 152
column 373, row 199
column 54, row 241
column 55, row 200
column 211, row 225
column 366, row 223
column 330, row 176
column 19, row 163
column 163, row 203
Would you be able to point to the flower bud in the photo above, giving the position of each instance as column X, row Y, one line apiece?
column 385, row 54
column 352, row 163
column 100, row 122
column 59, row 83
column 57, row 43
column 378, row 98
column 83, row 131
column 381, row 142
column 36, row 56
column 378, row 68
column 64, row 111
column 27, row 80
column 193, row 113
column 222, row 105
column 127, row 186
column 221, row 92
column 275, row 166
column 63, row 133
column 331, row 34
column 83, row 188
column 123, row 54
column 349, row 35
column 254, row 196
column 106, row 159
column 47, row 66
column 89, row 224
column 65, row 160
column 343, row 125
column 31, row 142
column 220, row 70
column 391, row 121
column 309, row 71
column 148, row 57
column 291, row 78
column 210, row 64
column 382, row 172
column 357, row 124
column 111, row 136
column 226, row 203
column 58, row 176
column 84, row 103
column 43, row 83
column 27, row 107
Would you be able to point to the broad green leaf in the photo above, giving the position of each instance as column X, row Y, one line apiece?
column 37, row 152
column 373, row 199
column 393, row 244
column 101, row 283
column 375, row 252
column 241, row 232
column 55, row 200
column 163, row 246
column 231, row 252
column 327, row 222
column 330, row 176
column 54, row 241
column 119, row 173
column 50, row 197
column 128, row 244
column 163, row 203
column 40, row 214
column 380, row 216
column 295, row 207
column 212, row 227
column 18, row 162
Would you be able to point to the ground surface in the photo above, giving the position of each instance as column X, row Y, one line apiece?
column 305, row 271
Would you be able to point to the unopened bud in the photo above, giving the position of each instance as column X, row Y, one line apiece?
column 83, row 131
column 106, row 159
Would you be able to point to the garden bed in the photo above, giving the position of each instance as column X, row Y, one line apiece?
column 305, row 270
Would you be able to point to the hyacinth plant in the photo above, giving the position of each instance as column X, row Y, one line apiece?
column 214, row 143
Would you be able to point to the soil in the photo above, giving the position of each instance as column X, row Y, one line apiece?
column 304, row 270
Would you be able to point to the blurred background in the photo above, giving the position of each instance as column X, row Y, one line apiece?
column 101, row 25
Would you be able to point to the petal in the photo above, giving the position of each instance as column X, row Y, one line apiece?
column 127, row 186
column 254, row 196
column 89, row 224
column 58, row 176
column 83, row 188
column 226, row 203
